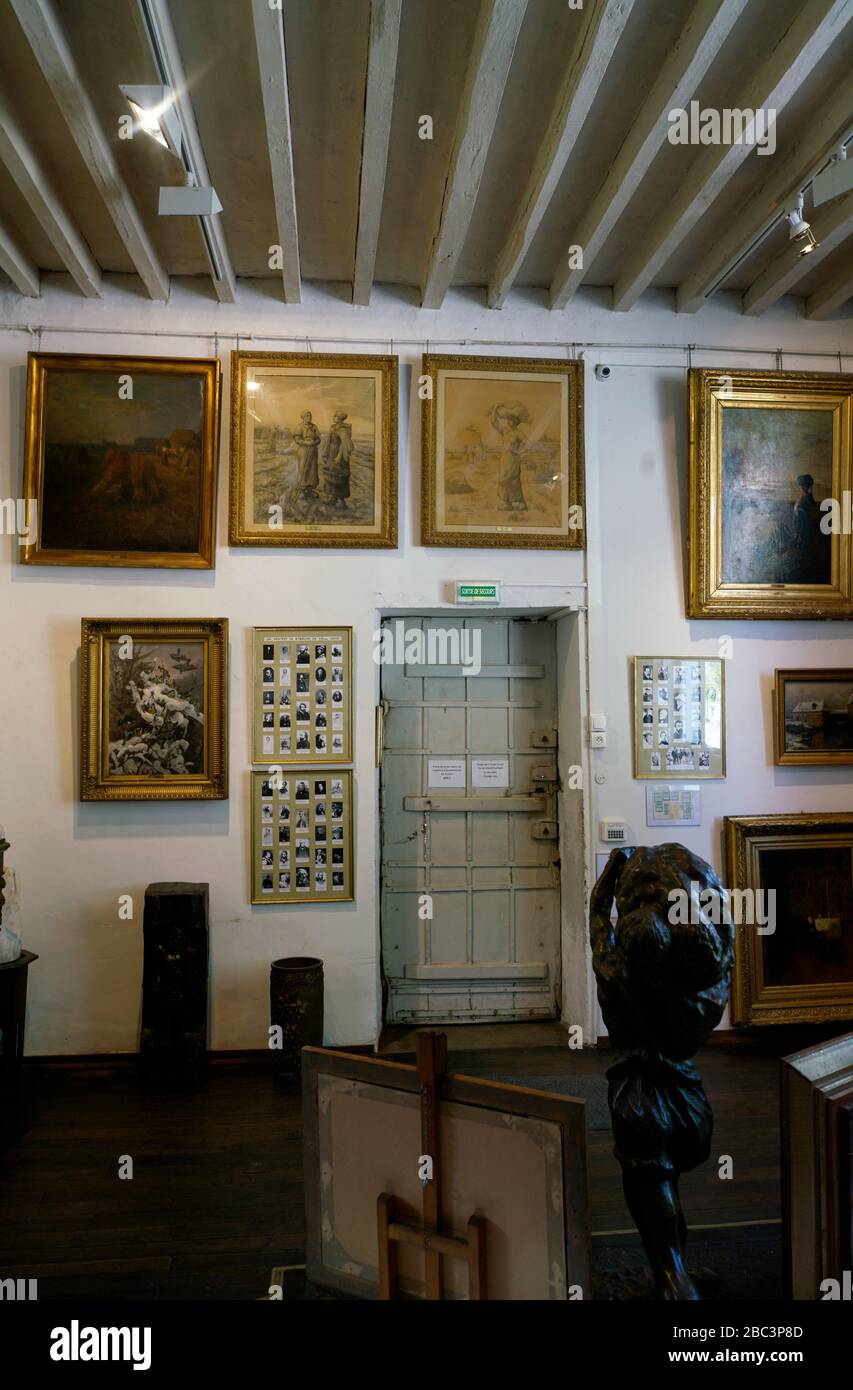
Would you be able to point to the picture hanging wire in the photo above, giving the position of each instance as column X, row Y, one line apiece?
column 458, row 343
column 779, row 359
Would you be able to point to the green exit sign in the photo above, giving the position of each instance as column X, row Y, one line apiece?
column 478, row 591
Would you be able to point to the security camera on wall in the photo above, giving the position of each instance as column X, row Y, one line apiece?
column 603, row 373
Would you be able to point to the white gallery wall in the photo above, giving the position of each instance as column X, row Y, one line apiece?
column 73, row 861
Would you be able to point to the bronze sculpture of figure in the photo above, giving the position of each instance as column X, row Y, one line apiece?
column 663, row 974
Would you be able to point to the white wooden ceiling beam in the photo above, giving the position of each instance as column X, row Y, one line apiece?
column 498, row 25
column 157, row 24
column 43, row 29
column 806, row 40
column 832, row 225
column 706, row 30
column 815, row 140
column 272, row 64
column 832, row 295
column 19, row 268
column 382, row 48
column 44, row 202
column 602, row 27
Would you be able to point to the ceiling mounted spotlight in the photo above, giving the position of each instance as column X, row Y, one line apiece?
column 797, row 224
column 799, row 229
column 154, row 110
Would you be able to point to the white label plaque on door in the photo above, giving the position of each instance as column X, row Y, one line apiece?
column 490, row 772
column 446, row 772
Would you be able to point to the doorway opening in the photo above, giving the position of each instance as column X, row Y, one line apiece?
column 477, row 914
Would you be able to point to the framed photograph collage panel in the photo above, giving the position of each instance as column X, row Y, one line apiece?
column 302, row 724
column 302, row 695
column 302, row 848
column 679, row 717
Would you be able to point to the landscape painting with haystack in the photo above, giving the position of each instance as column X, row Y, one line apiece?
column 503, row 458
column 313, row 456
column 121, row 460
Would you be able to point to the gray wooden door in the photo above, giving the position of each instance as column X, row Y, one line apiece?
column 470, row 906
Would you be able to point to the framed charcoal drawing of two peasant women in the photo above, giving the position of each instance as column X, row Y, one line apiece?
column 502, row 452
column 121, row 460
column 771, row 459
column 313, row 450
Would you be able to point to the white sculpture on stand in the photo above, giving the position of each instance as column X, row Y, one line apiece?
column 10, row 910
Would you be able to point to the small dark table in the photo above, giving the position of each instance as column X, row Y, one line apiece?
column 13, row 1005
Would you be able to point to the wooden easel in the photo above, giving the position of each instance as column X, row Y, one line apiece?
column 432, row 1063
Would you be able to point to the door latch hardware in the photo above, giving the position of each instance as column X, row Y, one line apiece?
column 543, row 738
column 544, row 830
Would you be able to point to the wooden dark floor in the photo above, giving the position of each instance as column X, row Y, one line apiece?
column 216, row 1197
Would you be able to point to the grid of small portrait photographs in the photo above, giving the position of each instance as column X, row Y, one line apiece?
column 302, row 836
column 679, row 717
column 302, row 695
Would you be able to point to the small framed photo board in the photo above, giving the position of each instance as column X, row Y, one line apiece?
column 302, row 844
column 302, row 700
column 679, row 717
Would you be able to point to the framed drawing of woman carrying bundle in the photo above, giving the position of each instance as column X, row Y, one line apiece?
column 313, row 450
column 502, row 452
column 771, row 464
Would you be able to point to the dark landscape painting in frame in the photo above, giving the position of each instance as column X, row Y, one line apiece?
column 120, row 459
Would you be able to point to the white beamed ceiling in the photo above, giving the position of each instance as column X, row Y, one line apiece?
column 327, row 46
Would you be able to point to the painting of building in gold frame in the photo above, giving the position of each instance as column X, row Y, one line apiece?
column 770, row 453
column 813, row 717
column 793, row 950
column 313, row 450
column 153, row 709
column 302, row 836
column 502, row 452
column 121, row 458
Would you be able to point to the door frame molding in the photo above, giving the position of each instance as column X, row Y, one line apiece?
column 577, row 860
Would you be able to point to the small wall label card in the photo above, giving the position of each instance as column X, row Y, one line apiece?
column 673, row 805
column 302, row 849
column 679, row 717
column 302, row 701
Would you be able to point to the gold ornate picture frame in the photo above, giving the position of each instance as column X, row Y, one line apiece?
column 679, row 717
column 813, row 717
column 767, row 449
column 502, row 452
column 120, row 460
column 801, row 969
column 302, row 836
column 302, row 695
column 154, row 709
column 313, row 450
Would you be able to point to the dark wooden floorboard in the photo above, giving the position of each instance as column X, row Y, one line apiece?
column 216, row 1198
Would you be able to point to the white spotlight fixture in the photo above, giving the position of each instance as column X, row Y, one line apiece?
column 799, row 229
column 797, row 224
column 155, row 113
